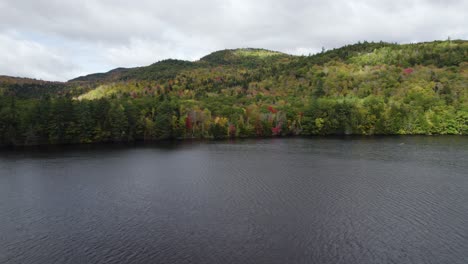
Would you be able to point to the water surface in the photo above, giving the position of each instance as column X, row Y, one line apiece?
column 318, row 200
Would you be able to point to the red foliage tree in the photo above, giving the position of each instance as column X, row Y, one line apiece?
column 276, row 131
column 232, row 130
column 272, row 110
column 188, row 123
column 408, row 71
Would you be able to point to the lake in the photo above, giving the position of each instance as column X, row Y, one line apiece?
column 297, row 200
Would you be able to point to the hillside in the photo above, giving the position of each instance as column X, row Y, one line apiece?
column 248, row 57
column 30, row 88
column 168, row 69
column 364, row 88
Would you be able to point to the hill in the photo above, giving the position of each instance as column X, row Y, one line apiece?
column 30, row 88
column 248, row 57
column 167, row 69
column 365, row 88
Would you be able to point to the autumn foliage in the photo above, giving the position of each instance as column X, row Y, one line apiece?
column 365, row 89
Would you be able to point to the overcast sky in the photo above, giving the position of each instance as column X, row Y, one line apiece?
column 62, row 39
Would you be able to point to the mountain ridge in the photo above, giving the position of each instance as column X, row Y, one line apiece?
column 216, row 58
column 226, row 59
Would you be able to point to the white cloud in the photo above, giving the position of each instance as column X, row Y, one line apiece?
column 26, row 58
column 98, row 35
column 143, row 52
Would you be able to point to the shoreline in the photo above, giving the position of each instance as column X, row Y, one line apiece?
column 182, row 141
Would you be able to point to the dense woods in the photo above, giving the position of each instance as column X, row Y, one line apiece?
column 365, row 89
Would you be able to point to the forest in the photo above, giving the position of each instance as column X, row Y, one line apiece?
column 361, row 89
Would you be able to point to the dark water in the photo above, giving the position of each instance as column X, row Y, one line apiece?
column 354, row 200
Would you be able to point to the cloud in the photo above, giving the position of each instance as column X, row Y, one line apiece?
column 146, row 51
column 97, row 35
column 26, row 58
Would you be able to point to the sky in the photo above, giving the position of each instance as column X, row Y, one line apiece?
column 61, row 39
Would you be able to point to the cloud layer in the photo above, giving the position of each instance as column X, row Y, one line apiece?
column 60, row 39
